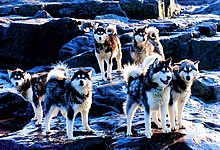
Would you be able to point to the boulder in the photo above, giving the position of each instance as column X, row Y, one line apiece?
column 39, row 40
column 77, row 46
column 138, row 9
column 207, row 86
column 207, row 28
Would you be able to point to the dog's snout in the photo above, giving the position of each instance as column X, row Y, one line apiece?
column 168, row 77
column 81, row 83
column 100, row 38
column 16, row 83
column 187, row 78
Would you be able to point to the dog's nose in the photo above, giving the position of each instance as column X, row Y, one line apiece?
column 100, row 38
column 16, row 83
column 187, row 78
column 81, row 83
column 168, row 77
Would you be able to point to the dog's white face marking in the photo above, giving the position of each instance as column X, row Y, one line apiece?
column 17, row 77
column 140, row 36
column 162, row 74
column 188, row 71
column 100, row 35
column 81, row 80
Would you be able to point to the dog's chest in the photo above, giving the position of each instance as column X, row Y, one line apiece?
column 156, row 98
column 28, row 95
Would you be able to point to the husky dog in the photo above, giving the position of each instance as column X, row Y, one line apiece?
column 149, row 90
column 70, row 94
column 185, row 73
column 108, row 46
column 145, row 43
column 31, row 87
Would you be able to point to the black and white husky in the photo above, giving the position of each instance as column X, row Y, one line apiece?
column 108, row 46
column 185, row 72
column 145, row 43
column 149, row 89
column 69, row 93
column 31, row 87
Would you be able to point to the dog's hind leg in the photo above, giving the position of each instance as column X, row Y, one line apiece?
column 118, row 59
column 70, row 122
column 39, row 114
column 130, row 111
column 155, row 119
column 35, row 111
column 48, row 117
column 84, row 115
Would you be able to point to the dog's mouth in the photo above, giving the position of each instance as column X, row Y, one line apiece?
column 165, row 81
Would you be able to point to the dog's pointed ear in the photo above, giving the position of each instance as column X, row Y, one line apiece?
column 169, row 61
column 95, row 25
column 89, row 72
column 9, row 72
column 145, row 28
column 196, row 63
column 155, row 63
column 135, row 30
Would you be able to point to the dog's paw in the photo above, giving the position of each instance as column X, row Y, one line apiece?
column 34, row 119
column 129, row 134
column 91, row 130
column 166, row 130
column 71, row 137
column 48, row 132
column 148, row 134
column 174, row 128
column 180, row 126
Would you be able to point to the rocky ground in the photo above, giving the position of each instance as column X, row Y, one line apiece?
column 32, row 41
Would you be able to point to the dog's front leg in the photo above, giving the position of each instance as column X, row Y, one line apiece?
column 85, row 123
column 147, row 119
column 164, row 111
column 172, row 116
column 109, row 68
column 69, row 122
column 101, row 66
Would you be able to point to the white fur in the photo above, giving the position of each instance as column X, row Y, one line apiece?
column 60, row 70
column 131, row 71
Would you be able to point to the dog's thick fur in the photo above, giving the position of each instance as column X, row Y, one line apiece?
column 145, row 43
column 31, row 87
column 69, row 93
column 108, row 46
column 149, row 90
column 185, row 72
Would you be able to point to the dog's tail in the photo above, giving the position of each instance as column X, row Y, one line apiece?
column 131, row 71
column 59, row 71
column 153, row 33
column 149, row 60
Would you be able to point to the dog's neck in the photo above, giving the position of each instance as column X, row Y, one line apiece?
column 140, row 46
column 77, row 95
column 179, row 85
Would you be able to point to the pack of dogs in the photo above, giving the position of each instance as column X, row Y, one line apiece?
column 155, row 84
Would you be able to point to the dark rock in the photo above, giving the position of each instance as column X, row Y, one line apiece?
column 42, row 14
column 27, row 9
column 77, row 46
column 126, row 38
column 6, row 10
column 13, row 111
column 207, row 86
column 206, row 50
column 138, row 9
column 208, row 28
column 39, row 40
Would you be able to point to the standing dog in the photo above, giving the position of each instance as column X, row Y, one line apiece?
column 149, row 90
column 32, row 88
column 108, row 46
column 185, row 73
column 69, row 94
column 145, row 43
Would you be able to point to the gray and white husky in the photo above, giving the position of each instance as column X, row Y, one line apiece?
column 108, row 46
column 145, row 43
column 69, row 93
column 185, row 72
column 32, row 88
column 150, row 90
